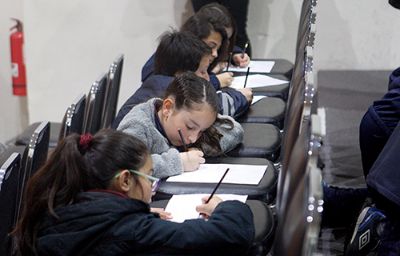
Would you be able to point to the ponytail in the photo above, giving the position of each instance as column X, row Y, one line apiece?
column 210, row 139
column 79, row 163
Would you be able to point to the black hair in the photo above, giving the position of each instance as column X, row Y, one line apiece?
column 202, row 27
column 216, row 13
column 74, row 167
column 179, row 52
column 188, row 89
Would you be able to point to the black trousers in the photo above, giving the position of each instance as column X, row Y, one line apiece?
column 239, row 10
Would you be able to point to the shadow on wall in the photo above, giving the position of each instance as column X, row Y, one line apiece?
column 181, row 17
column 272, row 27
column 288, row 37
column 258, row 19
column 333, row 36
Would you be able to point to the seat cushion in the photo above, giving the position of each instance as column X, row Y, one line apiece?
column 260, row 140
column 268, row 110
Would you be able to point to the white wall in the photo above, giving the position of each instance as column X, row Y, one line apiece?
column 356, row 34
column 13, row 109
column 69, row 43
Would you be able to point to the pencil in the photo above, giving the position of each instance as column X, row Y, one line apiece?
column 245, row 48
column 216, row 187
column 183, row 140
column 247, row 74
column 229, row 61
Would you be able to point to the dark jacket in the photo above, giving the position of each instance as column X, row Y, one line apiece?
column 384, row 175
column 231, row 102
column 103, row 223
column 379, row 122
column 394, row 79
column 148, row 70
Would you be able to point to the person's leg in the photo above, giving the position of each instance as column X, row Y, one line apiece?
column 197, row 4
column 239, row 11
column 342, row 205
column 373, row 137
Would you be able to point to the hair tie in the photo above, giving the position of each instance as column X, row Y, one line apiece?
column 85, row 141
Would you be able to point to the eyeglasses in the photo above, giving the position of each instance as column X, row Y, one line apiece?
column 153, row 180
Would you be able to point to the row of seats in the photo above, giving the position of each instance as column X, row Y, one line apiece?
column 19, row 162
column 287, row 203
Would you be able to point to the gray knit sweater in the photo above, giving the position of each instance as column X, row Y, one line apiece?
column 140, row 123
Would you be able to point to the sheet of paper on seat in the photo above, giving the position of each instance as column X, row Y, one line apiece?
column 256, row 66
column 183, row 207
column 256, row 80
column 257, row 98
column 212, row 173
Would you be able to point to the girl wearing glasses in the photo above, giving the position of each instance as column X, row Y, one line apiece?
column 92, row 198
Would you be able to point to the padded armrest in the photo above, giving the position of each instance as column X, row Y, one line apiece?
column 266, row 111
column 280, row 90
column 263, row 217
column 260, row 140
column 265, row 190
column 25, row 136
column 281, row 67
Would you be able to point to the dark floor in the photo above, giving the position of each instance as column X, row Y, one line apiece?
column 345, row 95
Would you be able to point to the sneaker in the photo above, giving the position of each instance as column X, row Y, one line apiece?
column 366, row 236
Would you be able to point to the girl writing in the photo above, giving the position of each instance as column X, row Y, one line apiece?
column 92, row 198
column 190, row 105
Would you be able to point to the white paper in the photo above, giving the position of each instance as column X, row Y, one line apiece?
column 254, row 81
column 212, row 173
column 257, row 98
column 256, row 66
column 183, row 207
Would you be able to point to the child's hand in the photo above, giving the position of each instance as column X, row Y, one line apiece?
column 225, row 79
column 241, row 61
column 192, row 159
column 248, row 93
column 208, row 209
column 219, row 67
column 163, row 214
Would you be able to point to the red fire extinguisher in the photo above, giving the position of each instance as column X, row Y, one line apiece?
column 17, row 60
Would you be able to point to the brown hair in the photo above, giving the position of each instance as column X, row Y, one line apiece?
column 77, row 164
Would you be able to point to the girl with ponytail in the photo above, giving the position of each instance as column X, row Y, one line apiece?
column 187, row 118
column 92, row 198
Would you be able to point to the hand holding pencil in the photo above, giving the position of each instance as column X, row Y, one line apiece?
column 191, row 158
column 210, row 202
column 206, row 209
column 242, row 59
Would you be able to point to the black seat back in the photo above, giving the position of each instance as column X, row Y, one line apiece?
column 94, row 106
column 34, row 157
column 296, row 169
column 9, row 174
column 112, row 91
column 299, row 223
column 74, row 117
